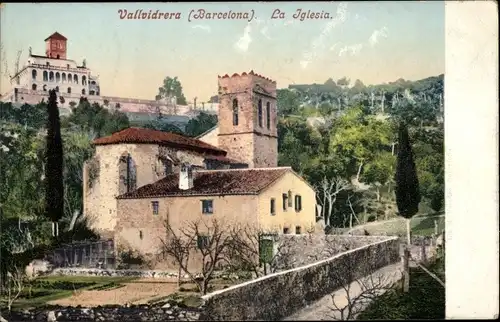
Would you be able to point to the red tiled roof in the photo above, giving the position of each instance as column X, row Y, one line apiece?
column 56, row 35
column 211, row 182
column 149, row 136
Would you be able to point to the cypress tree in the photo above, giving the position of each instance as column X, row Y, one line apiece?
column 407, row 192
column 407, row 189
column 54, row 190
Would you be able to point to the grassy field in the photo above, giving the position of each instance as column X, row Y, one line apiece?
column 421, row 226
column 425, row 300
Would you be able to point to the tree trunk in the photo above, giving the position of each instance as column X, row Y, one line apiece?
column 359, row 171
column 408, row 232
column 406, row 259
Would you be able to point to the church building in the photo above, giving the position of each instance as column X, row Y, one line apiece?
column 139, row 179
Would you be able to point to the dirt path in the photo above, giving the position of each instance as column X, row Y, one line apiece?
column 137, row 292
column 322, row 309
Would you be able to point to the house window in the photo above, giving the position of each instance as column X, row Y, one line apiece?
column 286, row 230
column 260, row 113
column 203, row 242
column 207, row 206
column 298, row 230
column 285, row 198
column 235, row 112
column 69, row 90
column 268, row 115
column 290, row 200
column 156, row 206
column 273, row 207
column 298, row 203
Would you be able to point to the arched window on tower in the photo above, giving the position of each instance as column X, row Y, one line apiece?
column 58, row 77
column 268, row 115
column 51, row 76
column 83, row 91
column 33, row 74
column 260, row 112
column 45, row 76
column 70, row 78
column 128, row 174
column 235, row 112
column 75, row 79
column 33, row 87
column 69, row 90
column 84, row 80
column 63, row 78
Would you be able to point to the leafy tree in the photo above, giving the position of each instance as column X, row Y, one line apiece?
column 54, row 192
column 343, row 82
column 163, row 126
column 172, row 87
column 214, row 99
column 358, row 138
column 96, row 119
column 200, row 124
column 288, row 102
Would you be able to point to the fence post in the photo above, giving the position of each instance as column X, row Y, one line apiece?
column 105, row 257
column 90, row 254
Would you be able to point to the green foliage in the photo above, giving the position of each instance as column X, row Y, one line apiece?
column 407, row 188
column 288, row 103
column 159, row 125
column 54, row 191
column 200, row 124
column 424, row 301
column 172, row 87
column 96, row 119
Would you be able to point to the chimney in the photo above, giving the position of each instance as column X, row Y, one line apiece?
column 186, row 177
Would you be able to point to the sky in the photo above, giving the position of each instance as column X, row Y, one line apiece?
column 376, row 42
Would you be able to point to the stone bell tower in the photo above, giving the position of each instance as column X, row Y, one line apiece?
column 248, row 119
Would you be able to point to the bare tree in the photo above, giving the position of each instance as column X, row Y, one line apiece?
column 207, row 241
column 353, row 213
column 15, row 285
column 7, row 71
column 258, row 251
column 358, row 286
column 327, row 192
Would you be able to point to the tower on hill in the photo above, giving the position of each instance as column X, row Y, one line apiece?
column 248, row 119
column 55, row 46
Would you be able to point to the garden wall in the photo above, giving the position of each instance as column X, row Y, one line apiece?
column 276, row 296
column 169, row 311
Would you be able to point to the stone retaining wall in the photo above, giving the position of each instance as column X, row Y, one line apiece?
column 169, row 311
column 276, row 296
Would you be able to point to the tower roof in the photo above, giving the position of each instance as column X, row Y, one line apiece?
column 56, row 35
